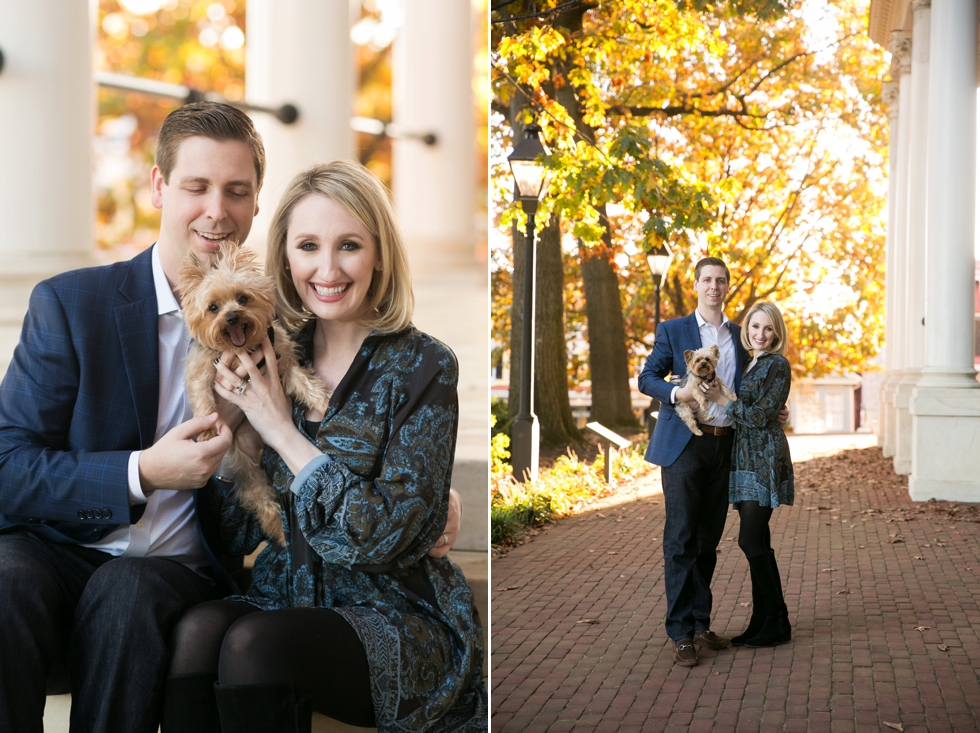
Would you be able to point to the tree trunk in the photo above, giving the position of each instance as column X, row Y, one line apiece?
column 608, row 359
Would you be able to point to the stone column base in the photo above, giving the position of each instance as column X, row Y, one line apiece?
column 902, row 459
column 887, row 427
column 945, row 439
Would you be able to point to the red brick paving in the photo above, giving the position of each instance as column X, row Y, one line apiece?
column 856, row 660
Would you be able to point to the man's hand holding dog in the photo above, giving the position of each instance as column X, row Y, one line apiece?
column 177, row 461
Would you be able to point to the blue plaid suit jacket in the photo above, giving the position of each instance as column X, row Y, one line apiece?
column 674, row 337
column 80, row 395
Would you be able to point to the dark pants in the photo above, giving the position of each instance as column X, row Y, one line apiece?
column 109, row 620
column 696, row 503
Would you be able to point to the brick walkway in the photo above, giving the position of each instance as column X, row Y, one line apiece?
column 882, row 593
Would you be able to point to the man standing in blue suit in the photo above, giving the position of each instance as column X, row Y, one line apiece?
column 694, row 470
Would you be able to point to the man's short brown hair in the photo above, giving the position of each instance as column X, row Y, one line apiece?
column 713, row 262
column 213, row 120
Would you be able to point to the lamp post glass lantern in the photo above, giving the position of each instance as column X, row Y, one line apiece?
column 531, row 180
column 658, row 259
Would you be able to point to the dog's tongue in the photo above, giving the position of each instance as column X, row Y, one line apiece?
column 237, row 334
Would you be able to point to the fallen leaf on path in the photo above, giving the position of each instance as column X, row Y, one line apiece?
column 602, row 515
column 896, row 726
column 845, row 592
column 588, row 621
column 893, row 540
column 613, row 552
column 943, row 647
column 745, row 605
column 918, row 557
column 922, row 628
column 828, row 570
column 510, row 587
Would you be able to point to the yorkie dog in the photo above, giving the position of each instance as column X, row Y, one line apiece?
column 701, row 365
column 230, row 304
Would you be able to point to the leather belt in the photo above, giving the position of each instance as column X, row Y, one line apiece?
column 713, row 430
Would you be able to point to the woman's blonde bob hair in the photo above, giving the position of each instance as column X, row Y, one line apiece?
column 354, row 187
column 778, row 345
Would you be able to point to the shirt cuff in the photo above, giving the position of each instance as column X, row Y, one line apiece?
column 136, row 495
column 304, row 475
column 673, row 392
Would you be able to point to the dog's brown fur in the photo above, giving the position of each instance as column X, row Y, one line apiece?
column 229, row 304
column 701, row 365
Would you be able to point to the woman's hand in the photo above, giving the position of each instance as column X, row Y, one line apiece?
column 229, row 413
column 258, row 394
column 712, row 390
column 451, row 531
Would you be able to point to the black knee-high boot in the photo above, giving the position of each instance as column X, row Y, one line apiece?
column 189, row 705
column 758, row 612
column 263, row 709
column 784, row 626
column 771, row 632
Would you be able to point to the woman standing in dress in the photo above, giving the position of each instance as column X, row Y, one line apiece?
column 762, row 472
column 351, row 618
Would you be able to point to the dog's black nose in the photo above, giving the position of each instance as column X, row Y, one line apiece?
column 232, row 319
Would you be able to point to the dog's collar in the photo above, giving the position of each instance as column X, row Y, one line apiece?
column 709, row 378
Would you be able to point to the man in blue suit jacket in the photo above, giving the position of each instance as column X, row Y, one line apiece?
column 103, row 542
column 694, row 470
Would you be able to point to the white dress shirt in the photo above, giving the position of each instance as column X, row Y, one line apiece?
column 724, row 339
column 169, row 526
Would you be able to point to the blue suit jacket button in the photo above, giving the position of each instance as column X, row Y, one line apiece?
column 107, row 513
column 98, row 514
column 81, row 514
column 89, row 514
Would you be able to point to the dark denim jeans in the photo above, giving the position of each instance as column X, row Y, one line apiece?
column 110, row 620
column 696, row 503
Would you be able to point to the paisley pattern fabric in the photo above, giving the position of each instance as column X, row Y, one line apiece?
column 762, row 470
column 370, row 510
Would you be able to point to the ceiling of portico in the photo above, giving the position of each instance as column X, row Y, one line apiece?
column 887, row 16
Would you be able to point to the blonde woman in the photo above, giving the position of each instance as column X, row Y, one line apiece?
column 352, row 618
column 761, row 475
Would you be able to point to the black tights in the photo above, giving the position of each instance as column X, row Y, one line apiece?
column 314, row 649
column 753, row 528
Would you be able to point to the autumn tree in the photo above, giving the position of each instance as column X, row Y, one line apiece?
column 755, row 132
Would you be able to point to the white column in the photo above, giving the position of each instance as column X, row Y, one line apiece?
column 432, row 91
column 886, row 437
column 915, row 262
column 47, row 119
column 299, row 52
column 902, row 53
column 946, row 402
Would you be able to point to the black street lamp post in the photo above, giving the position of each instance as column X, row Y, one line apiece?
column 658, row 258
column 531, row 180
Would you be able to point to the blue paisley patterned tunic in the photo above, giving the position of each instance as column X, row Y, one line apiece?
column 370, row 508
column 762, row 470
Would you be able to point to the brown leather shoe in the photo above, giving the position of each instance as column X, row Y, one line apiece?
column 710, row 640
column 685, row 654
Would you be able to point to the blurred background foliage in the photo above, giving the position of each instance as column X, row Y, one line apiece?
column 201, row 44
